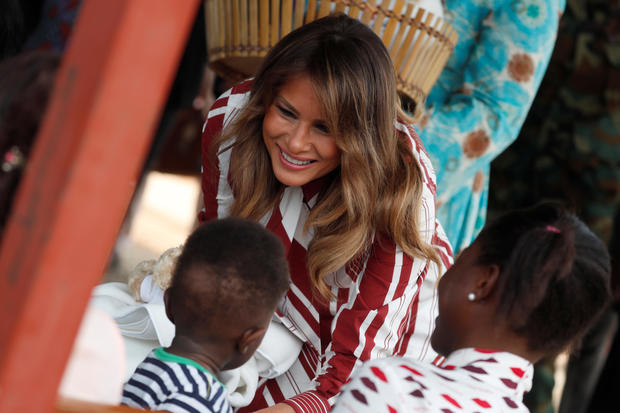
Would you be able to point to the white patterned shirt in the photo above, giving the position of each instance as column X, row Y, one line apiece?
column 469, row 380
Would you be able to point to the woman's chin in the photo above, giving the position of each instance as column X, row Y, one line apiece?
column 291, row 177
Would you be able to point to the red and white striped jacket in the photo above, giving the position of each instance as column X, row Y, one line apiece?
column 386, row 304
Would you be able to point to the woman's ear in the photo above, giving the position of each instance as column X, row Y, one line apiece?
column 250, row 340
column 486, row 280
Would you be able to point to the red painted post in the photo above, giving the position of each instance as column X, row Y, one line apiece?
column 111, row 86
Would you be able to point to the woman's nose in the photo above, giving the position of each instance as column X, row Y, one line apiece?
column 299, row 138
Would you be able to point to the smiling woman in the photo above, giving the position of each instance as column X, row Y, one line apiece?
column 317, row 150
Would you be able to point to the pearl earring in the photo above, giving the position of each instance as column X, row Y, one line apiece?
column 471, row 296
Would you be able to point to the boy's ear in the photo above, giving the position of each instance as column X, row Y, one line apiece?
column 168, row 305
column 250, row 340
column 486, row 280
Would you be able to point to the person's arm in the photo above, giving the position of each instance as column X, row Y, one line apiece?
column 494, row 90
column 220, row 114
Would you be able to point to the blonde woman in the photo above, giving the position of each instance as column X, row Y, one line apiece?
column 316, row 149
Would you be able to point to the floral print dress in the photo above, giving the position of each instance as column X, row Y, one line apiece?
column 481, row 99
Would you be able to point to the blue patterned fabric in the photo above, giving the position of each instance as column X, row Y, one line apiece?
column 480, row 101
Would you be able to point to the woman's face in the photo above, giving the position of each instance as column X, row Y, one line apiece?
column 296, row 136
column 451, row 326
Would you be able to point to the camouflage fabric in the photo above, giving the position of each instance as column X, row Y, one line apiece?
column 569, row 146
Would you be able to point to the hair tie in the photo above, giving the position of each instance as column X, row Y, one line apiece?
column 551, row 228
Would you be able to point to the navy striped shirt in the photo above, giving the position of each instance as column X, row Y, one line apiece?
column 165, row 381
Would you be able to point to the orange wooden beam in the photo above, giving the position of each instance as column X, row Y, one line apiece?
column 111, row 86
column 64, row 405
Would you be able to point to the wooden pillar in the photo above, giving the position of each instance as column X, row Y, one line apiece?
column 109, row 92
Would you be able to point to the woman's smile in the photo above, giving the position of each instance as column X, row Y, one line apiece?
column 293, row 162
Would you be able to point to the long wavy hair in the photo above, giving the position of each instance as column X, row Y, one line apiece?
column 377, row 188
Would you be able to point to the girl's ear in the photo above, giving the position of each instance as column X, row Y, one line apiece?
column 250, row 340
column 485, row 282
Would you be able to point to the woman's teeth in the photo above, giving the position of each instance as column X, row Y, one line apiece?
column 295, row 161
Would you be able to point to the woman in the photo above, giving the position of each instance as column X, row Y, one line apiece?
column 316, row 149
column 529, row 285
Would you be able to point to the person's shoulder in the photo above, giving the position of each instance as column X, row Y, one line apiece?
column 239, row 94
column 231, row 100
column 150, row 369
column 143, row 384
column 242, row 87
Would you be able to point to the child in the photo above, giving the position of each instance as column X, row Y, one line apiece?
column 529, row 285
column 225, row 288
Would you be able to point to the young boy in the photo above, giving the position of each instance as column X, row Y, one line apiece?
column 225, row 288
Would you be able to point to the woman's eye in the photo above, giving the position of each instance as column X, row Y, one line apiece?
column 322, row 128
column 284, row 111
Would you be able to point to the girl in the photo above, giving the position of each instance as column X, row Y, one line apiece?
column 530, row 284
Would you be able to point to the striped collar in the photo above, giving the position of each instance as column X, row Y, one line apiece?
column 163, row 355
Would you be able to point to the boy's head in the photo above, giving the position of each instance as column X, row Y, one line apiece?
column 226, row 285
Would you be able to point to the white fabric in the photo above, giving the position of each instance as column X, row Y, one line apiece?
column 151, row 292
column 241, row 383
column 278, row 350
column 147, row 321
column 144, row 326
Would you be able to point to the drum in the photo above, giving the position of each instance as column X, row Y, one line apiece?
column 241, row 32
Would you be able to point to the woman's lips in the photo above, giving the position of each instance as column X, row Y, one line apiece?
column 294, row 163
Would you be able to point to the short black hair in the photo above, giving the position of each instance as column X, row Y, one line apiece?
column 554, row 274
column 228, row 267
